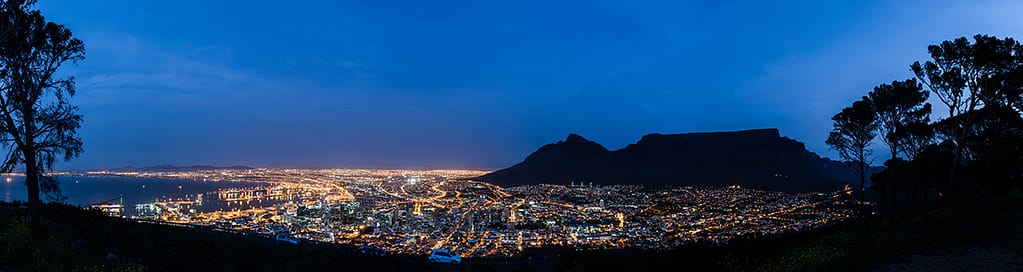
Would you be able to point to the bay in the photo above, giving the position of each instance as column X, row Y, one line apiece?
column 86, row 190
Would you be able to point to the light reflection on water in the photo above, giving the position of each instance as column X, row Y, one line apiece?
column 84, row 191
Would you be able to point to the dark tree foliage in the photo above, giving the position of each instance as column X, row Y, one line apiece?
column 918, row 136
column 895, row 178
column 854, row 128
column 966, row 76
column 903, row 117
column 981, row 84
column 958, row 69
column 996, row 141
column 931, row 158
column 909, row 182
column 1005, row 89
column 992, row 135
column 903, row 114
column 37, row 121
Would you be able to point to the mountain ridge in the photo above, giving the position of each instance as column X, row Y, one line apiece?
column 756, row 158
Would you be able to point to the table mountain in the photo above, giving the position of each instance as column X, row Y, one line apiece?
column 759, row 158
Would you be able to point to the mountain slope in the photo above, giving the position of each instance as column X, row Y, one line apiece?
column 758, row 158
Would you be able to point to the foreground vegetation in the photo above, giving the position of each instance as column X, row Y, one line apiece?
column 976, row 233
column 71, row 239
column 980, row 232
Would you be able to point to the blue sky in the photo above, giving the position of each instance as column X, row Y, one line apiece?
column 435, row 84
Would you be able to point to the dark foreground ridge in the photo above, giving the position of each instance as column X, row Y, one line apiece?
column 72, row 239
column 758, row 158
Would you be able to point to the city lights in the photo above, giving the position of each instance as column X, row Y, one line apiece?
column 417, row 211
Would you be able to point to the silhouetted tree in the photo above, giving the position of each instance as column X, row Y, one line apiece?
column 963, row 76
column 981, row 85
column 931, row 158
column 917, row 137
column 1006, row 88
column 854, row 128
column 901, row 110
column 899, row 106
column 893, row 179
column 996, row 139
column 37, row 121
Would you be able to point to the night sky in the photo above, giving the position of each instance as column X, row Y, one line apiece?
column 465, row 84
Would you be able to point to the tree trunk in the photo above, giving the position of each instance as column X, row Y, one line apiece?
column 960, row 134
column 32, row 181
column 955, row 163
column 895, row 186
column 28, row 149
column 863, row 190
column 895, row 199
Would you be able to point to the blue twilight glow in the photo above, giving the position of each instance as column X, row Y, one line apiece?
column 470, row 84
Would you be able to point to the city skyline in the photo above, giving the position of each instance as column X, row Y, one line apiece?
column 475, row 86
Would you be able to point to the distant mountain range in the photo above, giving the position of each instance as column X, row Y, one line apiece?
column 758, row 158
column 173, row 168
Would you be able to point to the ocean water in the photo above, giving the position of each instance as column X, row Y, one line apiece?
column 84, row 191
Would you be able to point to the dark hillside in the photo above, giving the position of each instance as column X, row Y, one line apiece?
column 759, row 158
column 72, row 239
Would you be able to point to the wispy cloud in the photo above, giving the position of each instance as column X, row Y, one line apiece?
column 125, row 65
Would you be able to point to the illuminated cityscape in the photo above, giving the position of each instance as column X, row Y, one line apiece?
column 413, row 211
column 511, row 135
